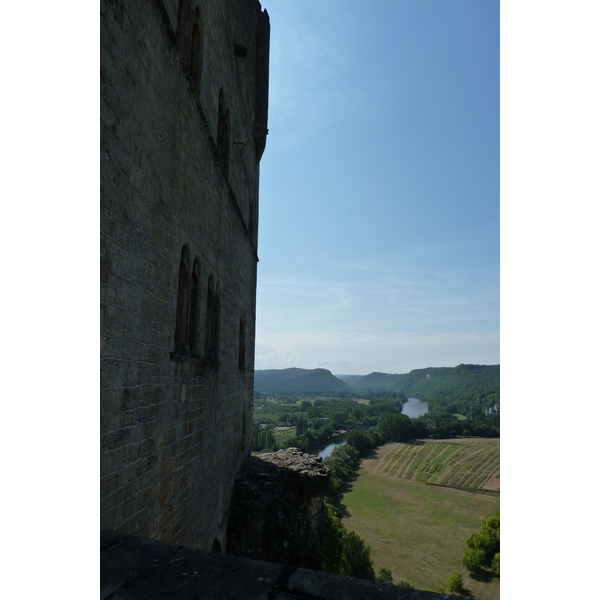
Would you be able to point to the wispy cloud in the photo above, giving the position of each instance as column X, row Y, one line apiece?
column 308, row 52
column 362, row 353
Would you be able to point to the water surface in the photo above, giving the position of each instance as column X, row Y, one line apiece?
column 414, row 408
column 326, row 448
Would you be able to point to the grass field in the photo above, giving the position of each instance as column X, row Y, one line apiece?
column 415, row 505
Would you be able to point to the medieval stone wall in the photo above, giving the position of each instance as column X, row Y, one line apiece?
column 184, row 87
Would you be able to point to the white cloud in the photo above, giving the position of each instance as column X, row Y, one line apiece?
column 308, row 52
column 362, row 353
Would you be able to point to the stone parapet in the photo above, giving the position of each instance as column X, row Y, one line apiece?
column 277, row 512
column 135, row 568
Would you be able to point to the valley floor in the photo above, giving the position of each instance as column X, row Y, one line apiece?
column 416, row 504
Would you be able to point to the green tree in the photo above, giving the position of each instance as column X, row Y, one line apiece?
column 454, row 584
column 496, row 563
column 334, row 537
column 473, row 559
column 395, row 427
column 487, row 539
column 384, row 576
column 300, row 425
column 359, row 440
column 357, row 557
column 338, row 417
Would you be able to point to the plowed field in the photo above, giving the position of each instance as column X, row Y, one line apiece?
column 416, row 504
column 467, row 464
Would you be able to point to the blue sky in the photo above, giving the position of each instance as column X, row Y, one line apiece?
column 379, row 231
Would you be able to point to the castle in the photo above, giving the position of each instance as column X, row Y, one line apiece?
column 184, row 101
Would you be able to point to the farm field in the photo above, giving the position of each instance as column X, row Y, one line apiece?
column 416, row 504
column 467, row 463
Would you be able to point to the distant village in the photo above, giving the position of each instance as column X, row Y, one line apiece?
column 493, row 409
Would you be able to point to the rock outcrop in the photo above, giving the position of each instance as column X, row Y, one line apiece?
column 277, row 512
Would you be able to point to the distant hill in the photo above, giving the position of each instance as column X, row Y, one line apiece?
column 350, row 379
column 298, row 381
column 439, row 383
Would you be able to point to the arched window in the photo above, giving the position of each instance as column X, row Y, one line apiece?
column 216, row 547
column 223, row 129
column 242, row 342
column 212, row 321
column 183, row 302
column 194, row 309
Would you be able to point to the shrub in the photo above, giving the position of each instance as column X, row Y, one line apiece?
column 487, row 539
column 357, row 557
column 385, row 576
column 359, row 440
column 496, row 563
column 345, row 551
column 405, row 584
column 473, row 559
column 334, row 536
column 454, row 584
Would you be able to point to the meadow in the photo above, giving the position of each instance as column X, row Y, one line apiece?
column 416, row 504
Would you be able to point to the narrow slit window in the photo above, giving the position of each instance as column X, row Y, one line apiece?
column 183, row 302
column 194, row 310
column 212, row 322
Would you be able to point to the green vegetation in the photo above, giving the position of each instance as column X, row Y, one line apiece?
column 454, row 584
column 463, row 392
column 343, row 463
column 473, row 559
column 384, row 576
column 404, row 521
column 316, row 419
column 465, row 389
column 496, row 563
column 345, row 552
column 298, row 381
column 394, row 516
column 463, row 464
column 262, row 438
column 484, row 547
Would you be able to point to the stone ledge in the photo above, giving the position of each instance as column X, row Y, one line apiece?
column 136, row 568
column 277, row 512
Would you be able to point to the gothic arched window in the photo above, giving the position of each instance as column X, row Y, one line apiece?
column 194, row 309
column 212, row 321
column 183, row 303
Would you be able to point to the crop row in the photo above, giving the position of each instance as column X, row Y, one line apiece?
column 466, row 464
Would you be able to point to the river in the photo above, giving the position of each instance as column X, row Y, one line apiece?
column 413, row 408
column 326, row 448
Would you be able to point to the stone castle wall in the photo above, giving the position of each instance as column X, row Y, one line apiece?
column 184, row 90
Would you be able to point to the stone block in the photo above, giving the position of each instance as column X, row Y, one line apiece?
column 290, row 486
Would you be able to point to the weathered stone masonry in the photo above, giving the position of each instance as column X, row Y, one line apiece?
column 184, row 100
